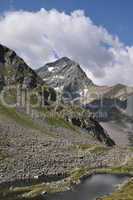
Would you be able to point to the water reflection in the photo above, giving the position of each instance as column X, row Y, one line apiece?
column 92, row 188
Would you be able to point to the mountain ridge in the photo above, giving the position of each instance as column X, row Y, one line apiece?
column 13, row 70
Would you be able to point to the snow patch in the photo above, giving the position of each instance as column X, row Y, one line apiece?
column 50, row 69
column 59, row 89
column 45, row 79
column 58, row 77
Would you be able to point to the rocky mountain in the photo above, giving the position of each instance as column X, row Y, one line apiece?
column 13, row 70
column 68, row 78
column 50, row 148
column 65, row 76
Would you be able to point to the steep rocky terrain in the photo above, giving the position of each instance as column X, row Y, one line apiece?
column 13, row 70
column 65, row 76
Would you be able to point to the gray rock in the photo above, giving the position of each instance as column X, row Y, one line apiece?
column 14, row 70
column 65, row 76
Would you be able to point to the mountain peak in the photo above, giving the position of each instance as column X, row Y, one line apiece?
column 65, row 75
column 66, row 59
column 61, row 61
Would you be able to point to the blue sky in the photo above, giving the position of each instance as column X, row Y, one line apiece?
column 115, row 15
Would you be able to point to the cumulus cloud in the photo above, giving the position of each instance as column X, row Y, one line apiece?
column 43, row 36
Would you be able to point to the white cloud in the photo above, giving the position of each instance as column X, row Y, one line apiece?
column 41, row 36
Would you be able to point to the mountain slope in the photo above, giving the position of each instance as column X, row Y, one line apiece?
column 65, row 75
column 13, row 70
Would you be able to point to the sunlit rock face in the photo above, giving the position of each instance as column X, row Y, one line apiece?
column 65, row 76
column 130, row 106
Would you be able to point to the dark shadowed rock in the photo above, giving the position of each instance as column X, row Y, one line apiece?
column 13, row 70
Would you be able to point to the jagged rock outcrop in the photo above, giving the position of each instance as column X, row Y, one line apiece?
column 83, row 120
column 101, row 134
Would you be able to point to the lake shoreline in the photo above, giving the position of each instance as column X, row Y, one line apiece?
column 63, row 185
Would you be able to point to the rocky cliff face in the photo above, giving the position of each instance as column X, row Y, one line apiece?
column 86, row 122
column 13, row 70
column 66, row 76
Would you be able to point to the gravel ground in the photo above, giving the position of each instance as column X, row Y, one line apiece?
column 27, row 153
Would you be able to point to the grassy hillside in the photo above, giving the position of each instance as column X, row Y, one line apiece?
column 20, row 118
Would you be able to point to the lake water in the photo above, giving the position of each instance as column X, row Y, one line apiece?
column 92, row 188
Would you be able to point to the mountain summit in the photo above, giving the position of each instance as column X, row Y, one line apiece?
column 65, row 75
